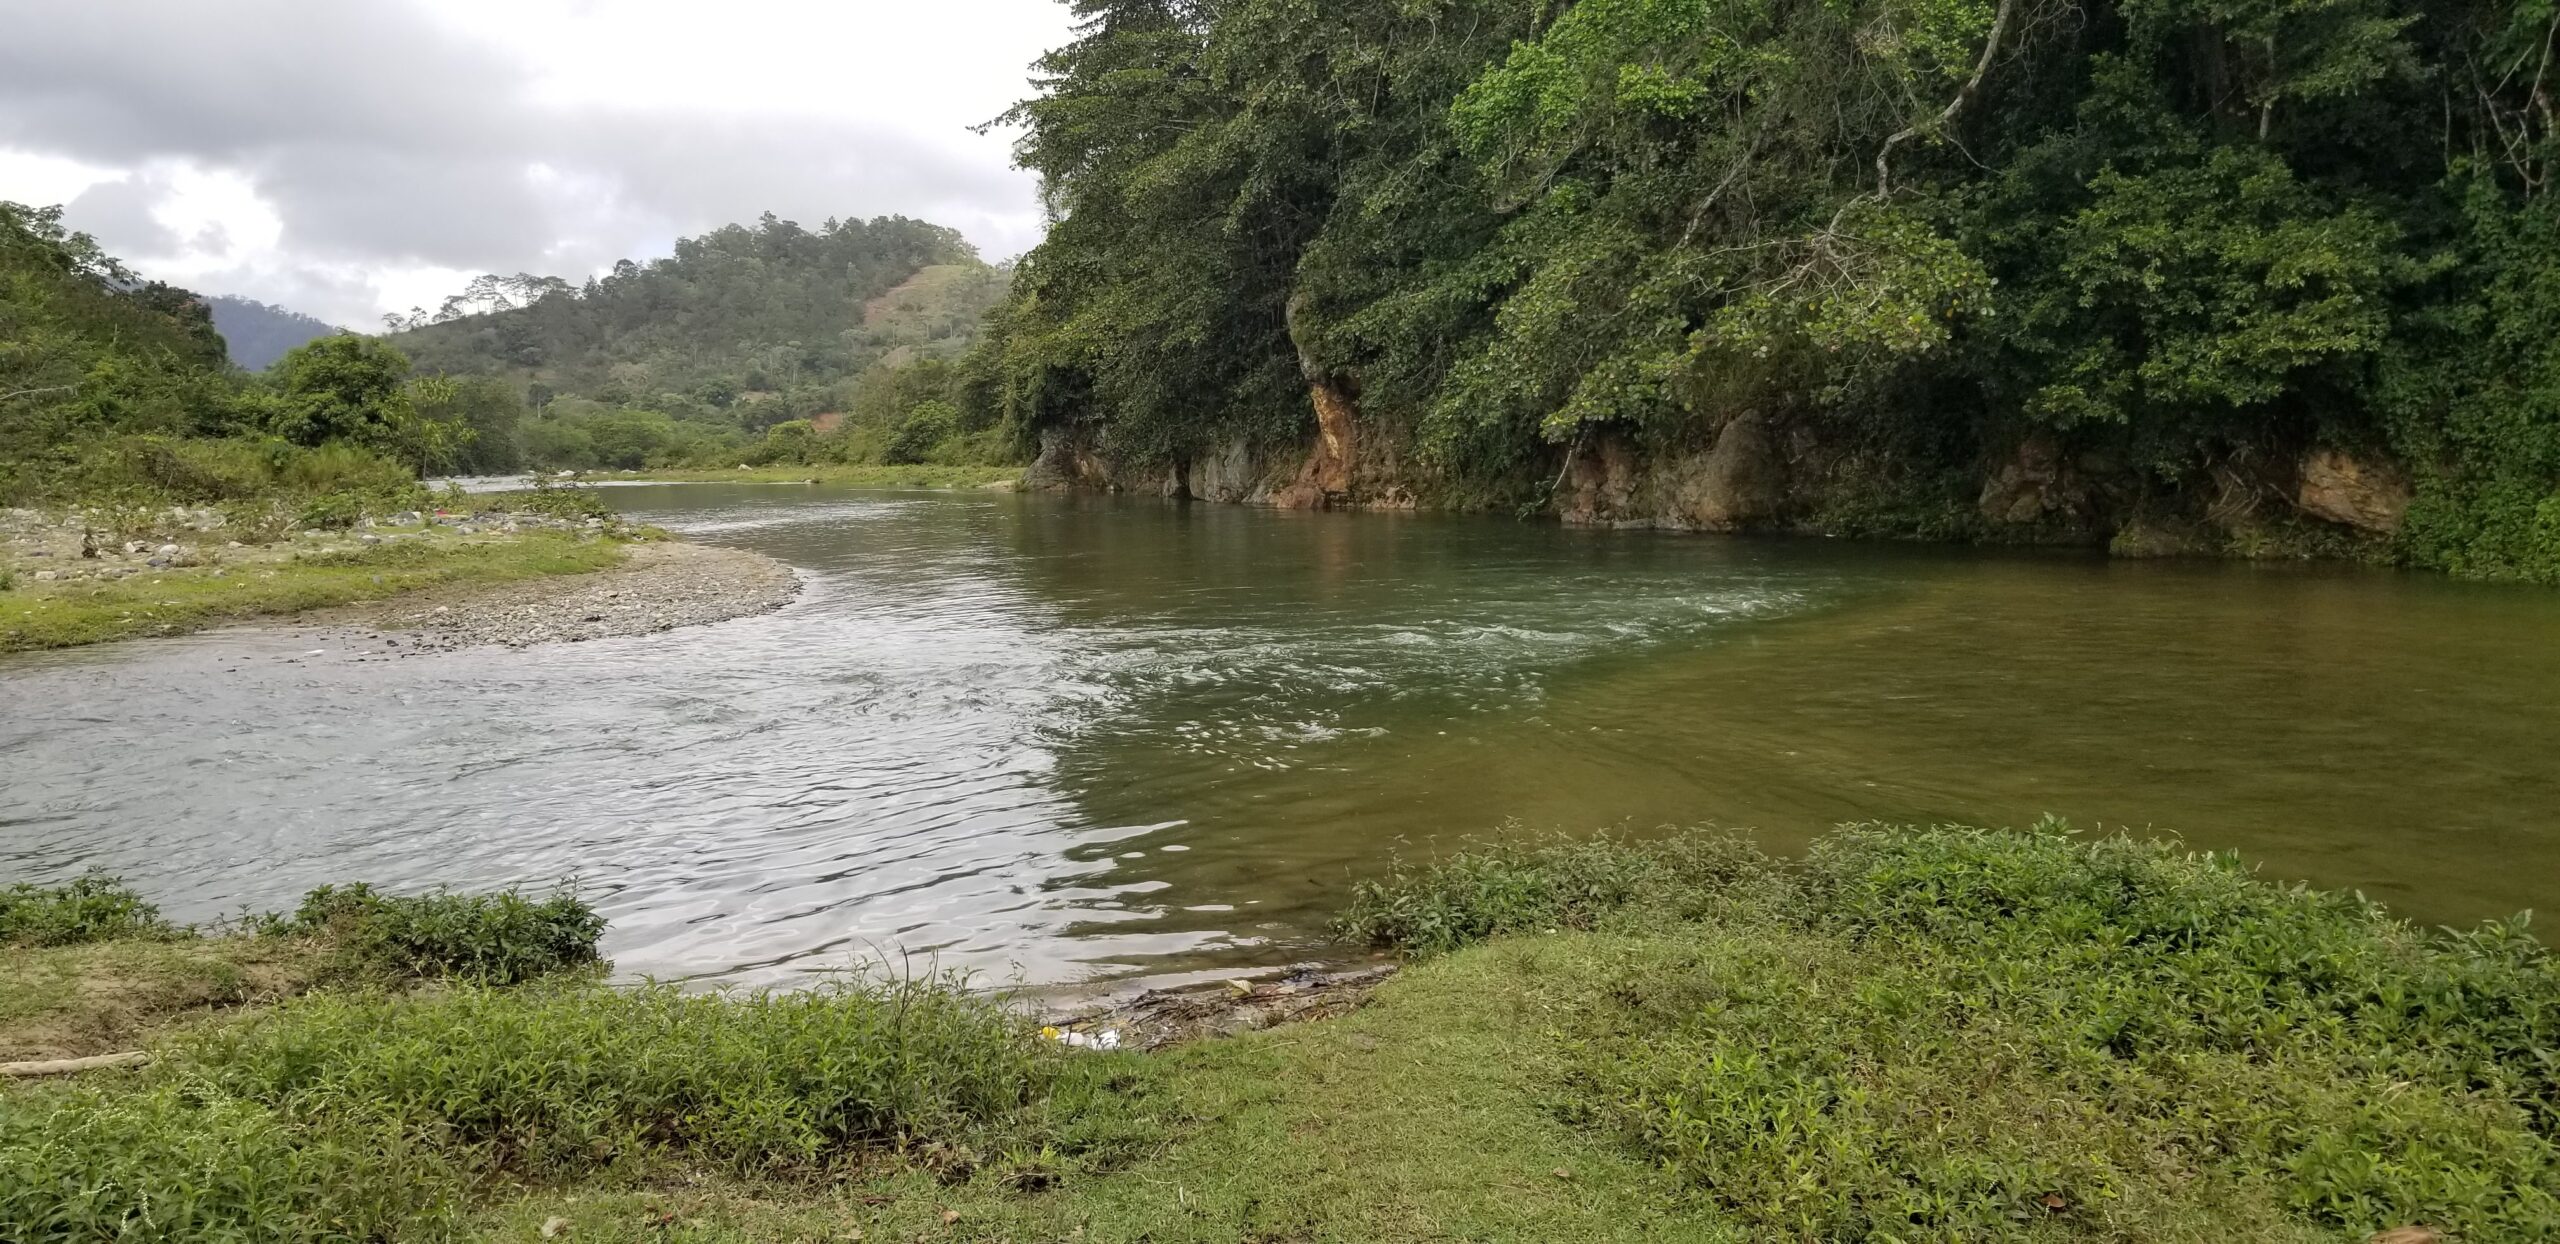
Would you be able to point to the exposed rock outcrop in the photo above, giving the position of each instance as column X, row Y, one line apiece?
column 1738, row 483
column 2036, row 486
column 2342, row 488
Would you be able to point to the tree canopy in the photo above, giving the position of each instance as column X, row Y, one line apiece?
column 2185, row 240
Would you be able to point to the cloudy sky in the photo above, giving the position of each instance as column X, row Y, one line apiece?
column 350, row 157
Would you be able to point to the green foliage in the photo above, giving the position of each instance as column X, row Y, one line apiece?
column 503, row 938
column 923, row 430
column 1953, row 1033
column 566, row 1079
column 171, row 1165
column 1562, row 885
column 86, row 909
column 2186, row 242
column 355, row 390
column 362, row 1115
column 740, row 328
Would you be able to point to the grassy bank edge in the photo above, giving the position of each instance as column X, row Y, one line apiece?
column 40, row 616
column 1912, row 1034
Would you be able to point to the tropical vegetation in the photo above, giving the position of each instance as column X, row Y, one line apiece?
column 1907, row 1033
column 2261, row 274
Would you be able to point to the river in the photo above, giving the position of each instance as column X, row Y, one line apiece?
column 1052, row 740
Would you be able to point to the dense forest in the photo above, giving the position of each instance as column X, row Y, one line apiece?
column 767, row 345
column 764, row 344
column 2251, row 276
column 117, row 391
column 257, row 333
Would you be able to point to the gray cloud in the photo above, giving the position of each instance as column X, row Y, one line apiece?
column 383, row 140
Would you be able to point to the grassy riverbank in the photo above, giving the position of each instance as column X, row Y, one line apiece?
column 1908, row 1035
column 279, row 579
column 853, row 475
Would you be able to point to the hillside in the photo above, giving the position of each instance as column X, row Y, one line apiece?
column 740, row 310
column 258, row 333
column 87, row 345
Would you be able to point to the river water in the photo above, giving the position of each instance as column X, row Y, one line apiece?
column 1055, row 740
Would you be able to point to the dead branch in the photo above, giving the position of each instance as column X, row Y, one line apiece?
column 1964, row 95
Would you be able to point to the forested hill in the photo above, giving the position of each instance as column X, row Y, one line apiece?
column 259, row 334
column 2249, row 275
column 769, row 308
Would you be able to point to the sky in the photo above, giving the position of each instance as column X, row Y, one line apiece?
column 347, row 158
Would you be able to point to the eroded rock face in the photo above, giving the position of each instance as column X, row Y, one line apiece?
column 2342, row 488
column 1325, row 480
column 1232, row 473
column 2036, row 485
column 1740, row 482
column 1064, row 463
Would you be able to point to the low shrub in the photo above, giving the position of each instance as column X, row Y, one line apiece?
column 170, row 1163
column 1961, row 1034
column 575, row 502
column 498, row 939
column 93, row 908
column 553, row 1079
column 1562, row 884
column 336, row 511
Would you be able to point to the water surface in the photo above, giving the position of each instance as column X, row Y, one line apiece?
column 1064, row 739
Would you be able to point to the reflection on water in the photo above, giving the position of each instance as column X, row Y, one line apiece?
column 1054, row 739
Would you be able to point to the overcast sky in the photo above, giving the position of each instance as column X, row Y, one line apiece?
column 350, row 157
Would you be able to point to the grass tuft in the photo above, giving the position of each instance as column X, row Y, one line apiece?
column 93, row 908
column 502, row 938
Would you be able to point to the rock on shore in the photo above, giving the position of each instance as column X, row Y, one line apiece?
column 661, row 586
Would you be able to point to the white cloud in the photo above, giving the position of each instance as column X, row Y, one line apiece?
column 352, row 159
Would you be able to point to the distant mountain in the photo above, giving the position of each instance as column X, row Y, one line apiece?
column 743, row 310
column 259, row 334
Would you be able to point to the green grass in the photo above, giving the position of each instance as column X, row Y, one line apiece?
column 854, row 475
column 103, row 998
column 505, row 938
column 86, row 909
column 36, row 616
column 93, row 969
column 1942, row 1034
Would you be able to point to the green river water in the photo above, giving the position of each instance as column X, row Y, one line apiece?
column 1061, row 739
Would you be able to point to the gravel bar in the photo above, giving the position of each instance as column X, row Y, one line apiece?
column 661, row 586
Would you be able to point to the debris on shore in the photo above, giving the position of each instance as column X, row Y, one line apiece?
column 1160, row 1018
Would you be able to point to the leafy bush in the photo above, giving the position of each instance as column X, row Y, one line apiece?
column 335, row 511
column 924, row 428
column 1960, row 1034
column 496, row 939
column 573, row 502
column 553, row 1080
column 93, row 908
column 1566, row 884
column 360, row 1116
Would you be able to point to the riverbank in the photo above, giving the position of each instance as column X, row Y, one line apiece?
column 1939, row 1034
column 848, row 475
column 499, row 575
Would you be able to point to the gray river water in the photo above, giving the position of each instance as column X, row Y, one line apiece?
column 1057, row 740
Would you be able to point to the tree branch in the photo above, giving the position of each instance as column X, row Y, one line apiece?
column 59, row 388
column 1964, row 95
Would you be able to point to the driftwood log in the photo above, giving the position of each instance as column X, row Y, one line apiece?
column 66, row 1066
